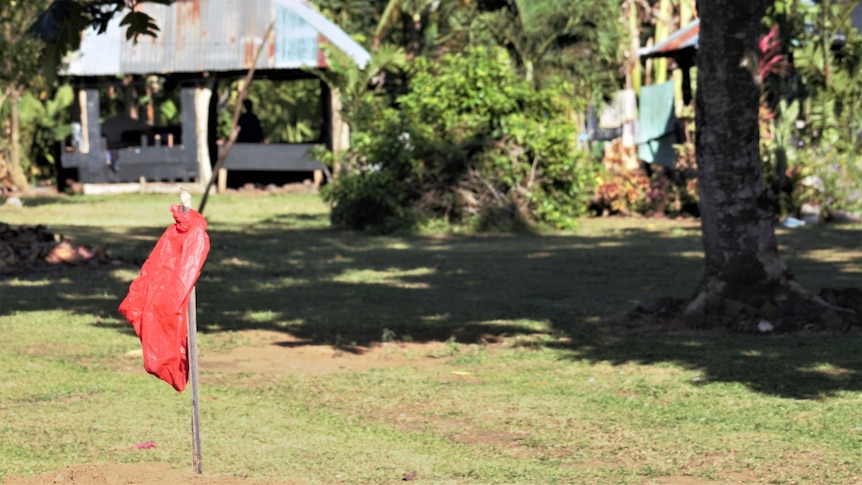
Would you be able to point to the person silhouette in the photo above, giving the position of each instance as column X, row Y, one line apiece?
column 250, row 130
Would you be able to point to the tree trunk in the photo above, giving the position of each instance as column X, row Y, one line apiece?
column 340, row 130
column 634, row 75
column 745, row 280
column 412, row 29
column 16, row 171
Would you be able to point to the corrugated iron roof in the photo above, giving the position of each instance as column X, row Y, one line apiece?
column 215, row 35
column 684, row 38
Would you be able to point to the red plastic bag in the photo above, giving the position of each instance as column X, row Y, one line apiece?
column 157, row 303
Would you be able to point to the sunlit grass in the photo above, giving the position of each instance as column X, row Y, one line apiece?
column 392, row 276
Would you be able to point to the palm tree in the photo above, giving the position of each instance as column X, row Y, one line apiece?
column 426, row 24
column 548, row 38
column 350, row 88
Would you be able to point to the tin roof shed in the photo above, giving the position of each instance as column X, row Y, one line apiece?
column 215, row 36
column 683, row 39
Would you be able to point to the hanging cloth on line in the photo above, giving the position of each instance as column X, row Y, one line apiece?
column 656, row 130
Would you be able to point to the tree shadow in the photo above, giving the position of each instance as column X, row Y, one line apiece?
column 790, row 366
column 43, row 200
column 326, row 286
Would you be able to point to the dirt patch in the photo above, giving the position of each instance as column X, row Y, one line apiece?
column 683, row 480
column 276, row 353
column 129, row 474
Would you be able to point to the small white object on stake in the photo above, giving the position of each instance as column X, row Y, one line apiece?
column 185, row 199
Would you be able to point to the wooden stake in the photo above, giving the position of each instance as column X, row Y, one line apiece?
column 186, row 201
column 243, row 92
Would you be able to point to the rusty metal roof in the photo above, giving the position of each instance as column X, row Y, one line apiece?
column 684, row 38
column 215, row 36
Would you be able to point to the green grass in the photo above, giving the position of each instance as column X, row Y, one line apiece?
column 561, row 401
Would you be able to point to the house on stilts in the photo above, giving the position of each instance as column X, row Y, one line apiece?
column 202, row 44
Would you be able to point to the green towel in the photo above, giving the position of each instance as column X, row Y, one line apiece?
column 656, row 125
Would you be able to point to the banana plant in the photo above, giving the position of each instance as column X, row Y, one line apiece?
column 358, row 84
column 43, row 123
column 353, row 90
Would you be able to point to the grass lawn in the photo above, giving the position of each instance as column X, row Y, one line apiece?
column 493, row 364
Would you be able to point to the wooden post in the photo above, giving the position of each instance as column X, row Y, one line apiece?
column 84, row 145
column 202, row 97
column 222, row 181
column 192, row 350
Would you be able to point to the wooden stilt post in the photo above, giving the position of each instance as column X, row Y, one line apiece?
column 192, row 350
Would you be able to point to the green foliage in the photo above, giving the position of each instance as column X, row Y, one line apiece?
column 553, row 40
column 163, row 101
column 49, row 115
column 373, row 202
column 358, row 85
column 555, row 176
column 169, row 111
column 43, row 123
column 139, row 23
column 19, row 54
column 358, row 19
column 425, row 26
column 19, row 70
column 289, row 112
column 469, row 139
column 830, row 178
column 360, row 91
column 815, row 136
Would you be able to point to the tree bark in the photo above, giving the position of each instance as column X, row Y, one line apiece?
column 744, row 276
column 340, row 130
column 413, row 35
column 16, row 171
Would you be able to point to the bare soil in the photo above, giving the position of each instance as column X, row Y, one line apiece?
column 276, row 353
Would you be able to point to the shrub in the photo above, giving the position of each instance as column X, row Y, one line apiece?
column 467, row 139
column 648, row 190
column 370, row 202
